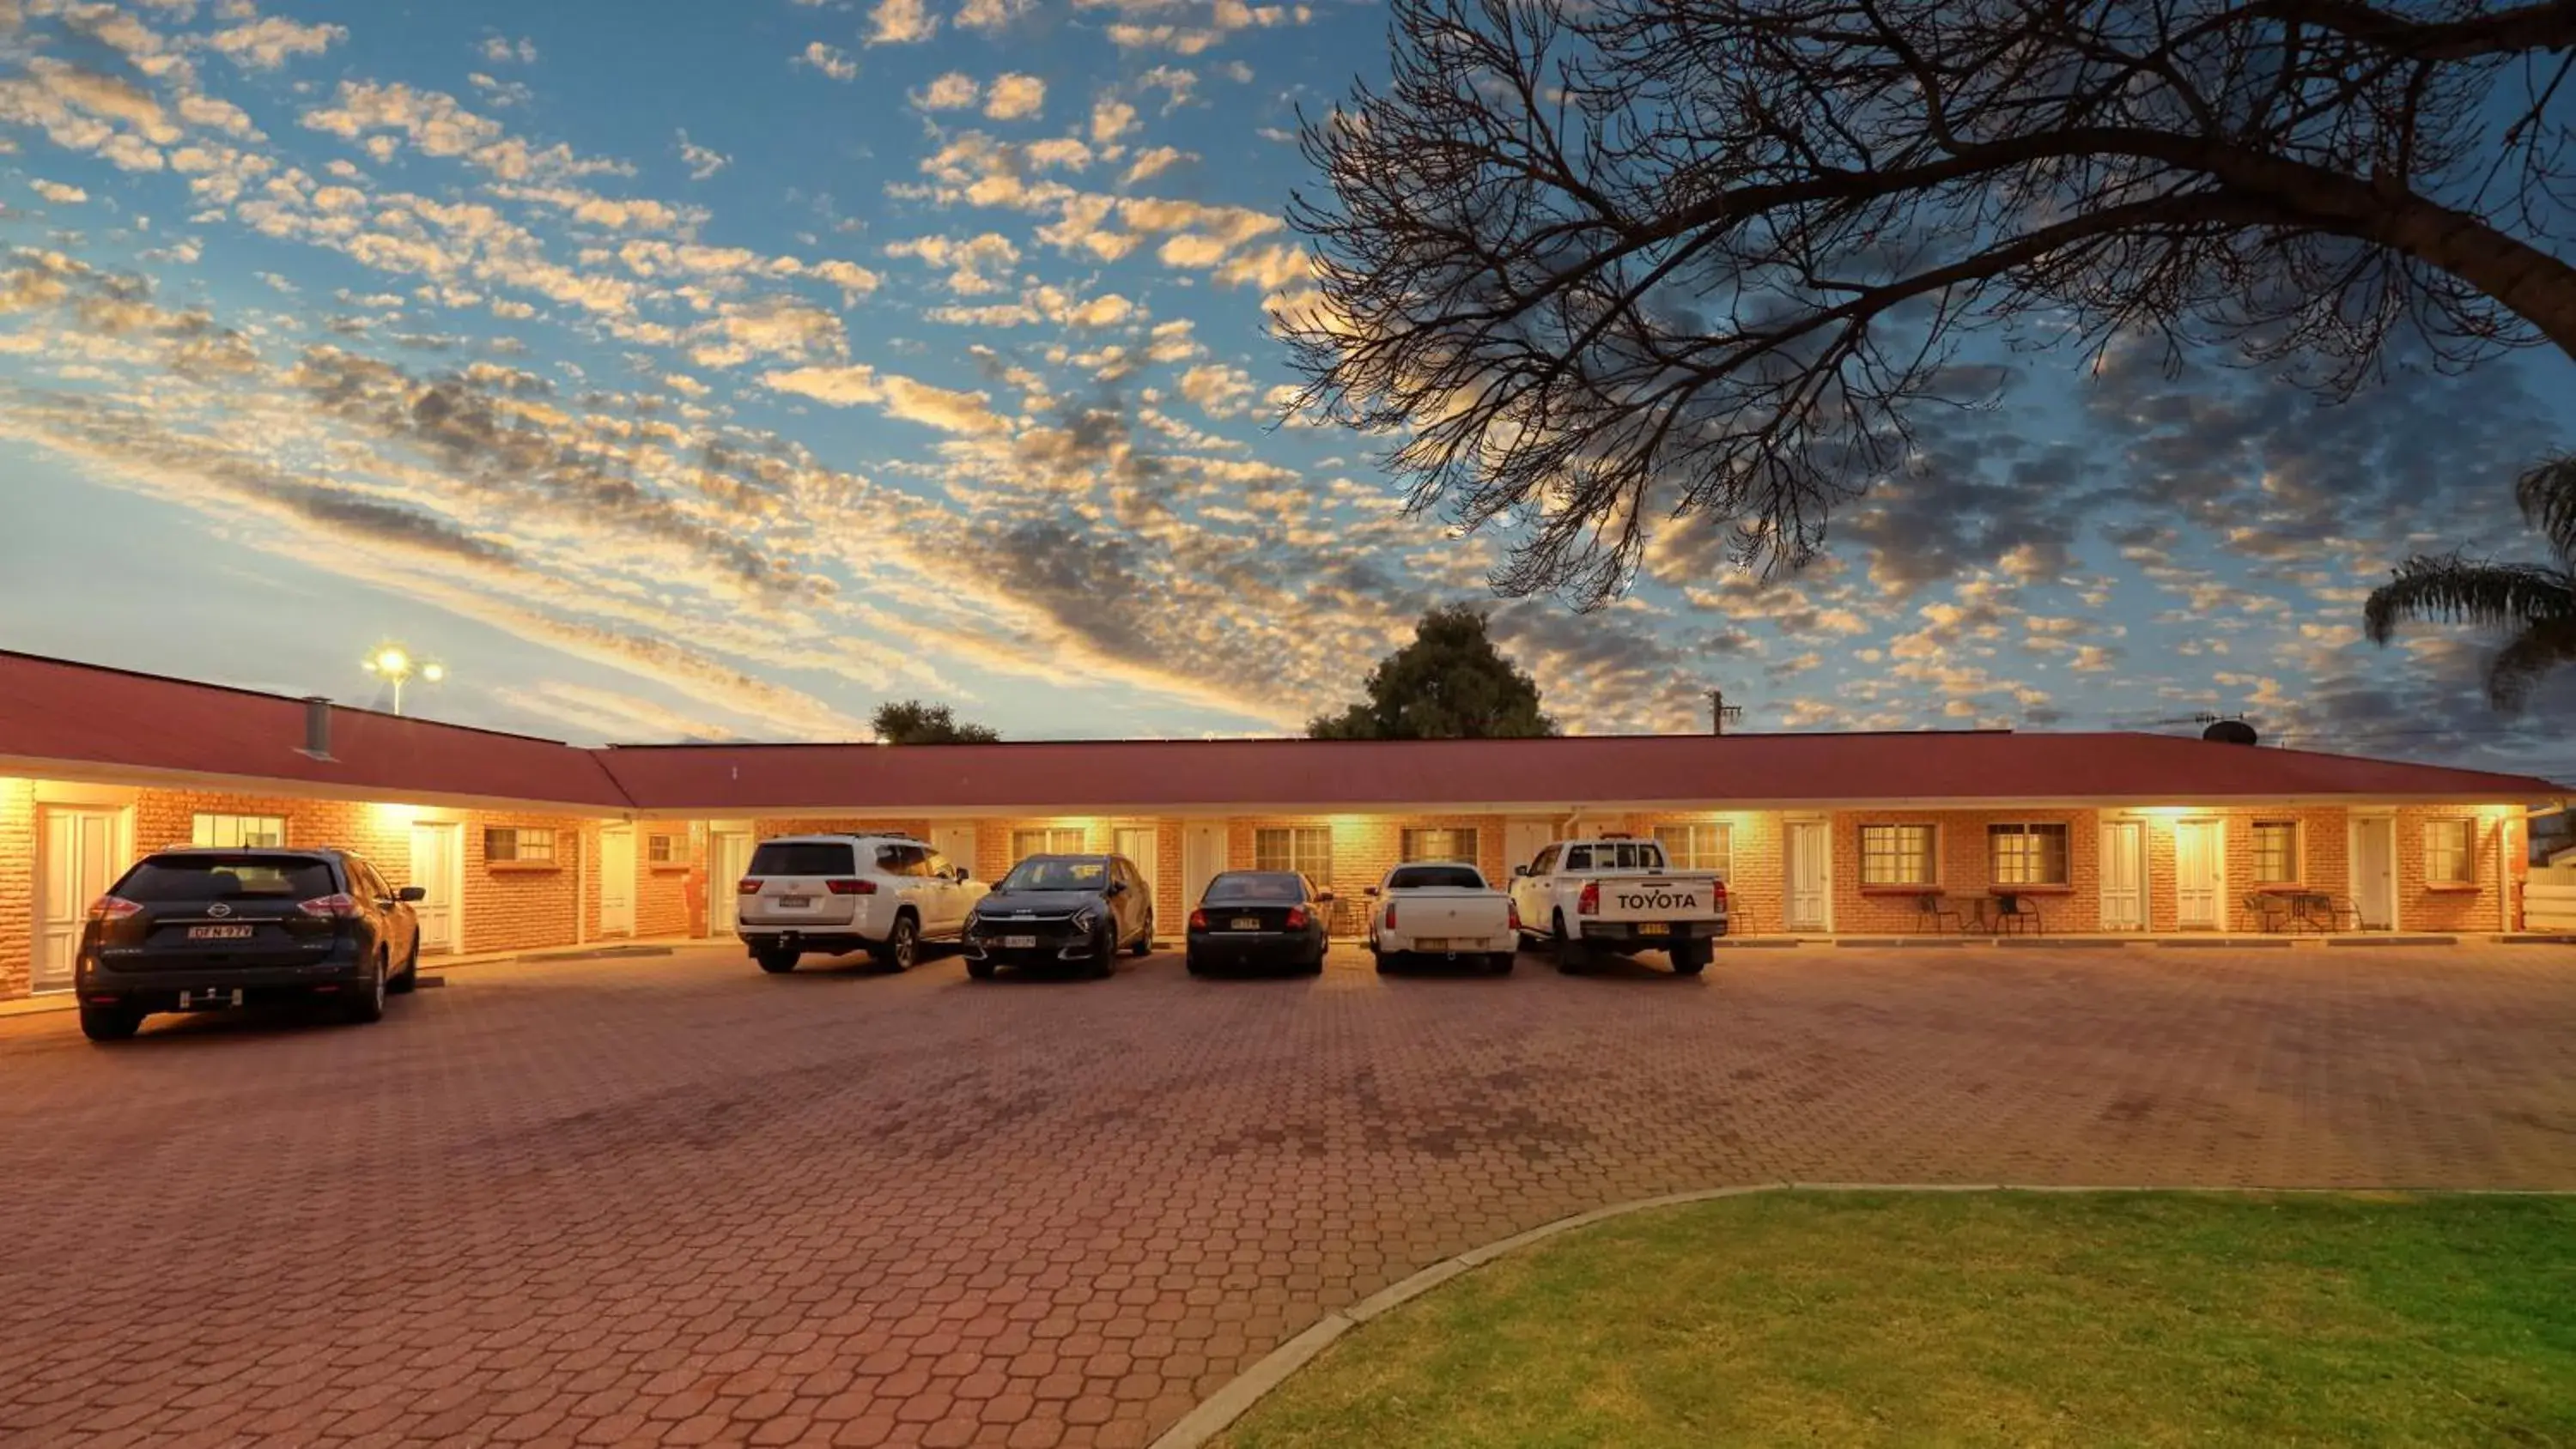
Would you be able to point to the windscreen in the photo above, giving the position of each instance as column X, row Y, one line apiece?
column 1267, row 885
column 179, row 878
column 1436, row 877
column 801, row 857
column 1056, row 875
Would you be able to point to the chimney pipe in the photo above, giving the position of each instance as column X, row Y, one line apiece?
column 317, row 726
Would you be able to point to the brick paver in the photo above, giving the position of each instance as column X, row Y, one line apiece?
column 677, row 1202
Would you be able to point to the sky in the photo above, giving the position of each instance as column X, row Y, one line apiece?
column 671, row 369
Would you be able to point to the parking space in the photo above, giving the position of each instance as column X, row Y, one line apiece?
column 673, row 1200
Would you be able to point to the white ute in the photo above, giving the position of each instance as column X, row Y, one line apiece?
column 1441, row 909
column 1613, row 891
column 829, row 894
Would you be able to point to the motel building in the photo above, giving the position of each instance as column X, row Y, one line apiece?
column 526, row 844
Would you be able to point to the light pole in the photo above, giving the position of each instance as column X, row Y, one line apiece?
column 394, row 664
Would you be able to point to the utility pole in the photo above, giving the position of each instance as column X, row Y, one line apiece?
column 1720, row 713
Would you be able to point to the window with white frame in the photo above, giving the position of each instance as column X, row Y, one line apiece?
column 1698, row 847
column 664, row 849
column 2026, row 855
column 1439, row 845
column 2447, row 853
column 518, row 845
column 238, row 832
column 1306, row 848
column 2276, row 852
column 1897, row 855
column 1052, row 840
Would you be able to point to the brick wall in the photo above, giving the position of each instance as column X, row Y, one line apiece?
column 17, row 886
column 666, row 894
column 2423, row 906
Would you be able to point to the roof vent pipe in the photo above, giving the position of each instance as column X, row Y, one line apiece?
column 2231, row 732
column 317, row 726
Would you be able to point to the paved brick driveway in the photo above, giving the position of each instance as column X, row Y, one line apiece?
column 673, row 1200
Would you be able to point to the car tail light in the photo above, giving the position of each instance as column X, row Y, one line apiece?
column 746, row 887
column 1513, row 910
column 1390, row 915
column 1717, row 893
column 1198, row 920
column 342, row 906
column 1296, row 918
column 851, row 887
column 112, row 908
column 1589, row 903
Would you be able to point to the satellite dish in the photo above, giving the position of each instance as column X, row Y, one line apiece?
column 2231, row 732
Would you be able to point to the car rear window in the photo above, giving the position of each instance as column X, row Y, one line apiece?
column 1436, row 877
column 1618, row 855
column 169, row 878
column 1266, row 886
column 801, row 857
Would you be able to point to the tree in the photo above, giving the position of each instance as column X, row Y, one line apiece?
column 911, row 722
column 2532, row 605
column 1450, row 683
column 1595, row 262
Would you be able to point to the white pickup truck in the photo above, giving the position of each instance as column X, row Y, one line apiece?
column 1441, row 909
column 1614, row 891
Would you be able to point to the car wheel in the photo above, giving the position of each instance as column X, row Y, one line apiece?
column 110, row 1023
column 409, row 980
column 1316, row 966
column 1104, row 954
column 981, row 968
column 900, row 947
column 1571, row 955
column 1385, row 961
column 1144, row 943
column 1500, row 963
column 776, row 963
column 1690, row 960
column 1196, row 966
column 367, row 1005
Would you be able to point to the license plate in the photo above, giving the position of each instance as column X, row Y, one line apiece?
column 795, row 903
column 1244, row 923
column 219, row 933
column 1654, row 928
column 209, row 1000
column 1432, row 943
column 1019, row 943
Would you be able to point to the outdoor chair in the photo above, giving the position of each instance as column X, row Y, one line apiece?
column 2016, row 913
column 2343, row 913
column 2270, row 913
column 1938, row 908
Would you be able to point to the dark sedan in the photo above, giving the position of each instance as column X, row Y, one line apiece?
column 1061, row 910
column 200, row 930
column 1255, row 918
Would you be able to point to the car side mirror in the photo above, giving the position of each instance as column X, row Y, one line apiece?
column 1325, row 898
column 1115, row 887
column 1519, row 870
column 961, row 875
column 1372, row 890
column 412, row 893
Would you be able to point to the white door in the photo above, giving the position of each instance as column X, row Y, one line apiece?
column 2374, row 871
column 2124, row 875
column 1143, row 845
column 1202, row 859
column 1811, row 876
column 730, row 860
column 957, row 842
column 79, row 863
column 2200, row 874
column 617, row 881
column 1523, row 840
column 437, row 867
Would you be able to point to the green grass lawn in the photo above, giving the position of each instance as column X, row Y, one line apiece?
column 1988, row 1318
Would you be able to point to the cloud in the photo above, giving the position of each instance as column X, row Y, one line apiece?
column 1154, row 162
column 1014, row 96
column 1111, row 119
column 501, row 50
column 955, row 91
column 900, row 22
column 269, row 42
column 972, row 260
column 703, row 162
column 899, row 397
column 831, row 60
column 991, row 16
column 1218, row 390
column 58, row 193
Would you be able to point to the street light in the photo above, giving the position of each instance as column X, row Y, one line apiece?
column 394, row 664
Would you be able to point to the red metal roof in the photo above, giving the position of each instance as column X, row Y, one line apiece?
column 85, row 715
column 106, row 721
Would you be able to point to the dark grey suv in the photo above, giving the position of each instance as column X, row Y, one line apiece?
column 205, row 930
column 1061, row 910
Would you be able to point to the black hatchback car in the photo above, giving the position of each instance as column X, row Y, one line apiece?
column 203, row 930
column 1061, row 910
column 1249, row 918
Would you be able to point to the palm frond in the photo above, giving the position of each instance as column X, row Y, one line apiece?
column 2547, row 497
column 2517, row 668
column 2454, row 588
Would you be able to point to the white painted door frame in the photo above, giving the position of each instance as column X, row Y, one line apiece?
column 80, row 851
column 2215, row 828
column 2385, row 824
column 2126, row 837
column 728, row 861
column 444, row 881
column 616, row 896
column 1807, row 844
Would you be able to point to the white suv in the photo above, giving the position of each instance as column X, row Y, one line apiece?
column 885, row 894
